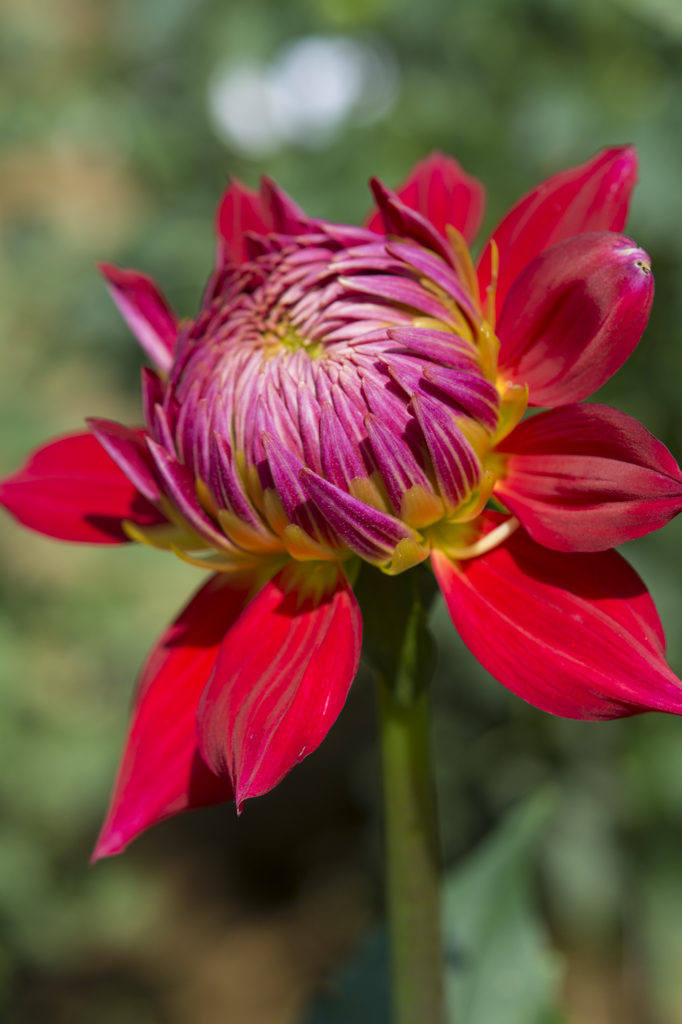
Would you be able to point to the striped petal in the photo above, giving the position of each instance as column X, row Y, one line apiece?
column 162, row 772
column 587, row 477
column 367, row 531
column 282, row 676
column 594, row 196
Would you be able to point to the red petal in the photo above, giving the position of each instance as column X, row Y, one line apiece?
column 161, row 771
column 574, row 316
column 587, row 477
column 145, row 310
column 286, row 216
column 240, row 210
column 282, row 677
column 576, row 635
column 71, row 489
column 440, row 189
column 594, row 196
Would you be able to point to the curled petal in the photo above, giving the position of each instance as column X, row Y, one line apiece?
column 439, row 189
column 240, row 210
column 574, row 316
column 340, row 462
column 433, row 267
column 227, row 485
column 594, row 196
column 152, row 393
column 587, row 477
column 476, row 395
column 574, row 634
column 397, row 289
column 282, row 676
column 399, row 469
column 437, row 346
column 71, row 489
column 400, row 220
column 454, row 461
column 299, row 509
column 162, row 772
column 128, row 450
column 180, row 485
column 145, row 310
column 368, row 532
column 309, row 425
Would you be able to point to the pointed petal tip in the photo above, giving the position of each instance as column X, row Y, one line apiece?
column 287, row 216
column 511, row 605
column 440, row 189
column 592, row 196
column 239, row 211
column 280, row 681
column 109, row 844
column 146, row 311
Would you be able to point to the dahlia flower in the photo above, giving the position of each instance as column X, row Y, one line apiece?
column 358, row 393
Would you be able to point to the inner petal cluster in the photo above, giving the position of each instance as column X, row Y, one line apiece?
column 331, row 398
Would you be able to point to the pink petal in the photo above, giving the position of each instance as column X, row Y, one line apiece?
column 281, row 679
column 574, row 634
column 240, row 210
column 587, row 477
column 398, row 219
column 439, row 189
column 145, row 310
column 71, row 489
column 594, row 196
column 161, row 771
column 128, row 450
column 574, row 315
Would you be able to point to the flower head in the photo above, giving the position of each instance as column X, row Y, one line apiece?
column 356, row 394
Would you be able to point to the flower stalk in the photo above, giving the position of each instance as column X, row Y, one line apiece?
column 410, row 812
column 412, row 861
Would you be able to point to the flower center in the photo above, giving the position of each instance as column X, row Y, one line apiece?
column 287, row 337
column 332, row 388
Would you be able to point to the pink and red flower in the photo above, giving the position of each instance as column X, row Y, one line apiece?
column 350, row 394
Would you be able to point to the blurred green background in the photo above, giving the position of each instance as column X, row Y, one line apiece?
column 119, row 123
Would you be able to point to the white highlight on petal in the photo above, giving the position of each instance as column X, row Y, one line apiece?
column 304, row 96
column 488, row 542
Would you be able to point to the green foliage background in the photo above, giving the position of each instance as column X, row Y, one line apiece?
column 106, row 152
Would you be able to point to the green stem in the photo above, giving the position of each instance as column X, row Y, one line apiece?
column 411, row 834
